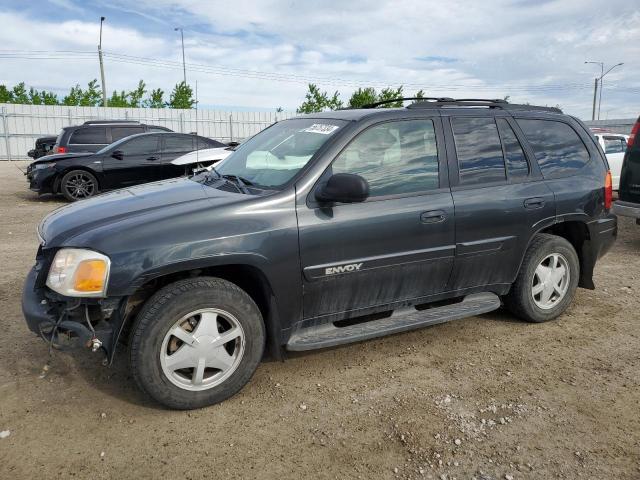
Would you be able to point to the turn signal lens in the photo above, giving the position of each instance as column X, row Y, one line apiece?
column 90, row 276
column 77, row 272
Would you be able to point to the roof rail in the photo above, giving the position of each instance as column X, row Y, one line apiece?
column 479, row 102
column 394, row 100
column 107, row 122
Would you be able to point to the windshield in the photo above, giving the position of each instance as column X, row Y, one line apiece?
column 274, row 156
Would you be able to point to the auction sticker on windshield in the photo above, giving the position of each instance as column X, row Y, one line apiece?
column 321, row 128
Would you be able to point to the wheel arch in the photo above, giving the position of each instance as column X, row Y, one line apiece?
column 58, row 180
column 577, row 233
column 249, row 278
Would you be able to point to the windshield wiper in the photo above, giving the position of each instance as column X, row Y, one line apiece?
column 240, row 182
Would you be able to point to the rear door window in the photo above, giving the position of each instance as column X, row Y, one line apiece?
column 479, row 150
column 120, row 132
column 89, row 136
column 179, row 144
column 615, row 144
column 558, row 148
column 517, row 165
column 145, row 145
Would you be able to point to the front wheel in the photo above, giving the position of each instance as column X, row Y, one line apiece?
column 78, row 185
column 547, row 281
column 196, row 342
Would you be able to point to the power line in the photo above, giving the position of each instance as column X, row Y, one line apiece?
column 297, row 78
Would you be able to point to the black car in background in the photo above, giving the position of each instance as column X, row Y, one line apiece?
column 44, row 146
column 141, row 158
column 629, row 203
column 93, row 135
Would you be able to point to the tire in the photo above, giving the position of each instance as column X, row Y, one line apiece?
column 192, row 304
column 526, row 299
column 78, row 185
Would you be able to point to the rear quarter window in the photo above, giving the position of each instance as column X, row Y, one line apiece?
column 89, row 136
column 558, row 148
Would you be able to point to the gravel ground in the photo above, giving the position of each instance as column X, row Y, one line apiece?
column 485, row 397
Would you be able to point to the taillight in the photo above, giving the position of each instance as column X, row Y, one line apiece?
column 634, row 132
column 61, row 149
column 608, row 191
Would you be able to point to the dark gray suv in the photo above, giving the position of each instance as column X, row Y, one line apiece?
column 327, row 229
column 94, row 135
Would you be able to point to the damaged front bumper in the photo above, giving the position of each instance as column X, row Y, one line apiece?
column 71, row 323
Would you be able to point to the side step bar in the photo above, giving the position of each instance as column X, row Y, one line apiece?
column 328, row 335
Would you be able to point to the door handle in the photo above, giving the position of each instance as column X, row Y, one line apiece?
column 534, row 203
column 152, row 158
column 434, row 216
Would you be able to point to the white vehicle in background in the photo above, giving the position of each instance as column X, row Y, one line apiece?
column 614, row 146
column 201, row 159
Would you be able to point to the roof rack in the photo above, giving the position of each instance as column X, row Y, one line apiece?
column 107, row 122
column 438, row 102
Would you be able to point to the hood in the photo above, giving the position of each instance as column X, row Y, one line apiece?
column 180, row 195
column 206, row 155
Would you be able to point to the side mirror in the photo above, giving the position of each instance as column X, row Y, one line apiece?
column 118, row 154
column 343, row 188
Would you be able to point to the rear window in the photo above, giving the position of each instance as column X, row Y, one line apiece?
column 89, row 136
column 479, row 150
column 120, row 132
column 558, row 148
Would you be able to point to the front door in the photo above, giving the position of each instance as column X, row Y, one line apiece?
column 500, row 200
column 140, row 162
column 399, row 244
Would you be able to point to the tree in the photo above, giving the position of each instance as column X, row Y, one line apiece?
column 92, row 96
column 182, row 96
column 6, row 96
column 387, row 94
column 118, row 99
column 317, row 101
column 155, row 100
column 20, row 94
column 420, row 94
column 135, row 96
column 362, row 97
column 34, row 97
column 49, row 98
column 73, row 97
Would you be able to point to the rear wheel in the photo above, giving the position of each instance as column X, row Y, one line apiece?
column 547, row 281
column 78, row 185
column 196, row 342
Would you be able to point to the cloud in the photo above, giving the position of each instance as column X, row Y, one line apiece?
column 532, row 51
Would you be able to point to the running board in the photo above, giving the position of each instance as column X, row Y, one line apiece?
column 328, row 335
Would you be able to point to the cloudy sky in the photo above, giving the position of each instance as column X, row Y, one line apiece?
column 261, row 54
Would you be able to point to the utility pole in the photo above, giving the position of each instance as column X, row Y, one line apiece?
column 602, row 75
column 104, row 86
column 595, row 96
column 184, row 68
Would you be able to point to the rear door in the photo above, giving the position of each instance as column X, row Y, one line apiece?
column 499, row 199
column 140, row 162
column 175, row 146
column 397, row 245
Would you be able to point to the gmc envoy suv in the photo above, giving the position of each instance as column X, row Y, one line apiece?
column 322, row 230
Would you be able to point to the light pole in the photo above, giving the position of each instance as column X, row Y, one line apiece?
column 602, row 75
column 184, row 68
column 104, row 87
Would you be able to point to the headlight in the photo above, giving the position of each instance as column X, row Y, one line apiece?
column 77, row 272
column 40, row 166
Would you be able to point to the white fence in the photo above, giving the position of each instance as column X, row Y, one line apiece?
column 20, row 125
